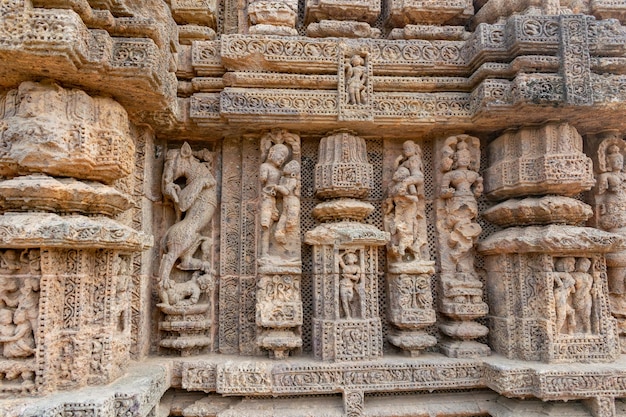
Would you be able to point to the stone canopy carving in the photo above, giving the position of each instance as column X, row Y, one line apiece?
column 289, row 208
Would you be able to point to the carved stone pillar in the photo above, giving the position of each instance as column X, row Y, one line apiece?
column 408, row 261
column 460, row 288
column 278, row 302
column 187, row 278
column 346, row 323
column 546, row 276
column 64, row 278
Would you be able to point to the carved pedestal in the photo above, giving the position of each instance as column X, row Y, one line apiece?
column 411, row 306
column 65, row 280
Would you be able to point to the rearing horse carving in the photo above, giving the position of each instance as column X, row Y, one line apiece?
column 197, row 200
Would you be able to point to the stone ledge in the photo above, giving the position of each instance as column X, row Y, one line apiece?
column 134, row 395
column 304, row 376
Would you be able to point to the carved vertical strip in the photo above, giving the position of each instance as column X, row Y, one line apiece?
column 230, row 253
column 601, row 406
column 353, row 403
column 138, row 273
column 575, row 60
column 248, row 250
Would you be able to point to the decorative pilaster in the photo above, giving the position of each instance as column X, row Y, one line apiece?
column 346, row 323
column 547, row 276
column 64, row 278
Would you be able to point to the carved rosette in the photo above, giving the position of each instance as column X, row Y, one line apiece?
column 65, row 275
column 278, row 300
column 186, row 275
column 460, row 289
column 346, row 322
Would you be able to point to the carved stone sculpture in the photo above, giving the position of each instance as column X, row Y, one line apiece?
column 459, row 185
column 279, row 307
column 409, row 265
column 295, row 114
column 188, row 303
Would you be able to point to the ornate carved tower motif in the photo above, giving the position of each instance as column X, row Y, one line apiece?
column 409, row 268
column 346, row 323
column 460, row 289
column 547, row 282
column 186, row 275
column 64, row 262
column 278, row 302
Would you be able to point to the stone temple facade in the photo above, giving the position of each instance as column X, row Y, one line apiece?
column 292, row 208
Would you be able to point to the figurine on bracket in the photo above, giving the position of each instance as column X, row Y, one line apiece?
column 611, row 186
column 279, row 176
column 356, row 80
column 197, row 200
column 350, row 279
column 584, row 294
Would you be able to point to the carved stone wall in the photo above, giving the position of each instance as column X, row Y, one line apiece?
column 313, row 207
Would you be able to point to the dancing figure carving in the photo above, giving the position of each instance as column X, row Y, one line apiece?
column 195, row 205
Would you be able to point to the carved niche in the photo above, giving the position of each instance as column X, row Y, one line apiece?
column 186, row 275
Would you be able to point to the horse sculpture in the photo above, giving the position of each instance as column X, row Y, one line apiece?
column 195, row 205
